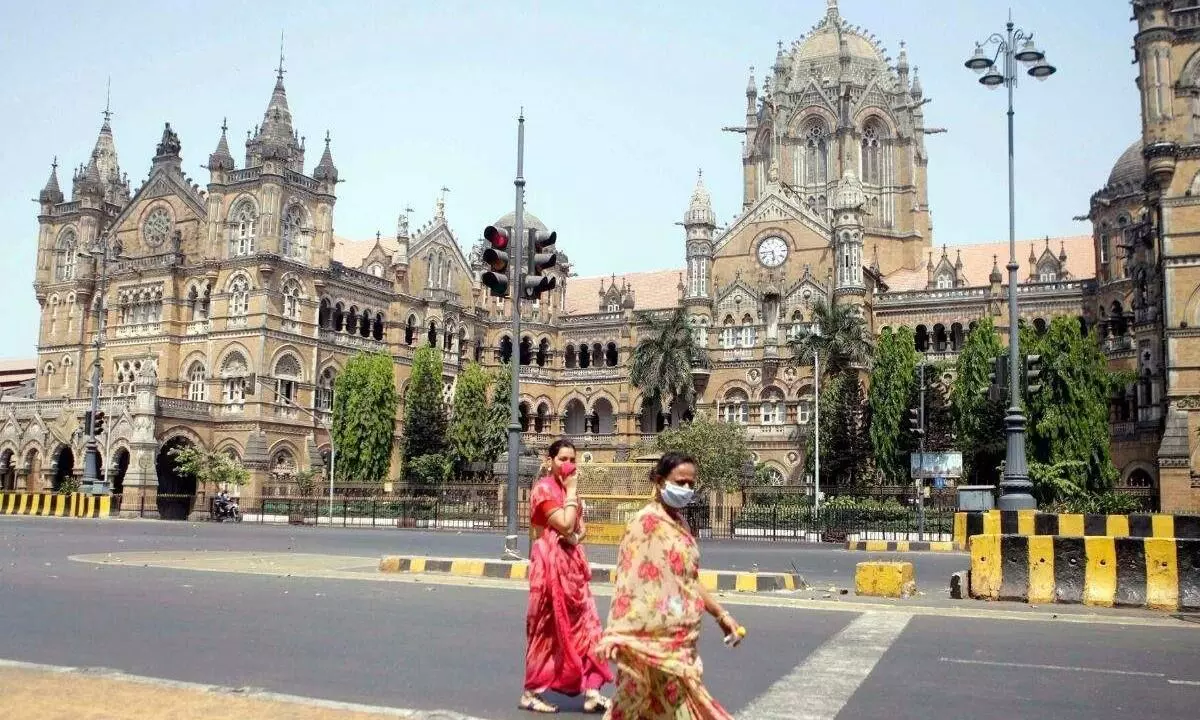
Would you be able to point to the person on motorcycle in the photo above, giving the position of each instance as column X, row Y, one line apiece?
column 222, row 501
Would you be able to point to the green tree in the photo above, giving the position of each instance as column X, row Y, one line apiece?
column 719, row 448
column 979, row 420
column 364, row 418
column 209, row 467
column 471, row 427
column 425, row 422
column 1068, row 417
column 845, row 437
column 838, row 335
column 893, row 379
column 498, row 413
column 663, row 359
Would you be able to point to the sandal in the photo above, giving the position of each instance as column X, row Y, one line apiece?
column 533, row 703
column 596, row 703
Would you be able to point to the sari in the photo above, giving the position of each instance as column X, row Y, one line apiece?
column 654, row 624
column 562, row 625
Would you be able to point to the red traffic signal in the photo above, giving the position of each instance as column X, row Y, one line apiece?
column 496, row 257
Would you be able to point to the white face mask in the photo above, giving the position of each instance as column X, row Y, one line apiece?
column 677, row 496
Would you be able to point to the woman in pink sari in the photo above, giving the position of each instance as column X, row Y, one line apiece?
column 562, row 626
column 657, row 608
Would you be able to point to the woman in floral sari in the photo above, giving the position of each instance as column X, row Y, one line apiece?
column 657, row 608
column 562, row 626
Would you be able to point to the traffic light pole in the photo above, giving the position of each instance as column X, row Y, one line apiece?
column 92, row 482
column 920, row 480
column 515, row 293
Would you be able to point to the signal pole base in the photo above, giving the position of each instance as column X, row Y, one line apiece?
column 511, row 551
column 92, row 483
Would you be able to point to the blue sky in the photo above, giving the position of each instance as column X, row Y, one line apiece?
column 624, row 101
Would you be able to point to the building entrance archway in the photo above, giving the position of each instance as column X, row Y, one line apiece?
column 176, row 490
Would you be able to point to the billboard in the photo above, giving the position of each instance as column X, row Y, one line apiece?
column 935, row 465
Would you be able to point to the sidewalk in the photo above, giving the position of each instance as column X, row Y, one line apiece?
column 77, row 694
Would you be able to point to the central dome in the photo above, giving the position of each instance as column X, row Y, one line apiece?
column 827, row 37
column 529, row 219
column 1130, row 169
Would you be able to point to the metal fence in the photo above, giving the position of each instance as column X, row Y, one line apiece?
column 483, row 508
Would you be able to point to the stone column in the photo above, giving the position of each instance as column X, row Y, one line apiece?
column 140, row 489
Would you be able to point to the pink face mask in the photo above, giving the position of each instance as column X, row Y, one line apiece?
column 567, row 468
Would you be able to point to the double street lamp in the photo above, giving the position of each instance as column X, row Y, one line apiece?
column 104, row 249
column 1012, row 48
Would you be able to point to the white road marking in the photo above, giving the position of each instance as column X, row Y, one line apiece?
column 1185, row 682
column 820, row 687
column 254, row 693
column 1062, row 668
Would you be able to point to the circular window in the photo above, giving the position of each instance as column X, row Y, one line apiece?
column 157, row 227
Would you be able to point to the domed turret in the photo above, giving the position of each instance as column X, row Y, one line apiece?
column 1129, row 172
column 849, row 194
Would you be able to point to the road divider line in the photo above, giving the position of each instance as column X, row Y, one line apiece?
column 820, row 687
column 1060, row 668
column 1184, row 682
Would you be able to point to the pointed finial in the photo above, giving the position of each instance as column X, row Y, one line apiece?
column 378, row 236
column 107, row 100
column 280, row 71
column 326, row 138
column 54, row 164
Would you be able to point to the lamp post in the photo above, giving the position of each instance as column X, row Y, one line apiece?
column 1012, row 46
column 104, row 248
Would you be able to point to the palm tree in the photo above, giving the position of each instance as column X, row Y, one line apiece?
column 664, row 358
column 839, row 337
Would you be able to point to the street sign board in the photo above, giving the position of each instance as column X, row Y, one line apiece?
column 935, row 465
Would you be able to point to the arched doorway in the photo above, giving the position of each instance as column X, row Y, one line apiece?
column 64, row 467
column 118, row 466
column 176, row 491
column 8, row 471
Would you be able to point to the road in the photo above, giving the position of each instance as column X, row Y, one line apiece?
column 428, row 645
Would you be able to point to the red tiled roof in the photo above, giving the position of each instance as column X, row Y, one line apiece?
column 653, row 290
column 978, row 261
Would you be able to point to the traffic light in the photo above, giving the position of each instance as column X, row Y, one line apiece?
column 1033, row 373
column 541, row 257
column 98, row 423
column 914, row 422
column 998, row 378
column 498, row 277
column 87, row 421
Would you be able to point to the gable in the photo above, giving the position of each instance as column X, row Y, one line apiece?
column 774, row 207
column 439, row 236
column 164, row 181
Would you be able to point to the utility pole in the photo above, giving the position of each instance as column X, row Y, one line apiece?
column 921, row 443
column 516, row 292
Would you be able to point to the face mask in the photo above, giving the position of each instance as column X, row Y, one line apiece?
column 567, row 468
column 677, row 496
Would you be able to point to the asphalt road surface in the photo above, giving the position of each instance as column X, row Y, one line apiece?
column 441, row 646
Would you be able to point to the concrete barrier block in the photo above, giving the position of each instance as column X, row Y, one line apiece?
column 884, row 579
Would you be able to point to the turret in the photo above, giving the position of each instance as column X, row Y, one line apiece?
column 221, row 160
column 326, row 172
column 699, row 222
column 846, row 206
column 51, row 195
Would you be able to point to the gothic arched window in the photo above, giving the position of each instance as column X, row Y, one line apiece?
column 244, row 219
column 287, row 374
column 736, row 407
column 816, row 154
column 239, row 297
column 197, row 389
column 291, row 300
column 64, row 264
column 295, row 240
column 325, row 389
column 874, row 153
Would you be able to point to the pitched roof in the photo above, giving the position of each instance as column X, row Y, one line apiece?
column 653, row 290
column 978, row 260
column 351, row 253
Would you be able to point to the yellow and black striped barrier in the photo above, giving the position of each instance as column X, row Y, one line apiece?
column 1032, row 522
column 1158, row 573
column 78, row 505
column 601, row 574
column 903, row 546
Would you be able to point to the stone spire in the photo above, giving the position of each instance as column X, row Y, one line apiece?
column 917, row 91
column 700, row 210
column 275, row 138
column 831, row 12
column 221, row 159
column 326, row 171
column 1062, row 252
column 51, row 194
column 103, row 169
column 902, row 65
column 995, row 278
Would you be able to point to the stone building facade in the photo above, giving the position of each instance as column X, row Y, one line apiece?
column 232, row 302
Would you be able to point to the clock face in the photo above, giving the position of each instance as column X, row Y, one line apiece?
column 157, row 227
column 772, row 251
